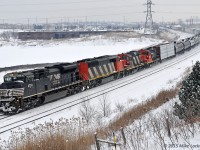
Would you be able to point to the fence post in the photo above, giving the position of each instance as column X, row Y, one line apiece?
column 96, row 141
column 123, row 135
column 115, row 141
column 168, row 127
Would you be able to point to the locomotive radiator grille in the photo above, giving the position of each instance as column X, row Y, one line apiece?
column 11, row 92
column 113, row 66
column 101, row 70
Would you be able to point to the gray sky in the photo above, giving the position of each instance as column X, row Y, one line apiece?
column 19, row 11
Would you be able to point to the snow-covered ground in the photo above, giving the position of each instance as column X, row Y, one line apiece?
column 32, row 52
column 18, row 52
column 69, row 51
column 129, row 95
column 150, row 131
column 181, row 35
column 10, row 30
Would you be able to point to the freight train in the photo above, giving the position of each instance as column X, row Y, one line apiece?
column 24, row 90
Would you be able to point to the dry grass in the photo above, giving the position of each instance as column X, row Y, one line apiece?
column 59, row 142
column 62, row 135
column 138, row 111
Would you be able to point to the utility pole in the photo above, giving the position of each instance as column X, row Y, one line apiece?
column 36, row 20
column 149, row 20
column 28, row 23
column 3, row 23
column 86, row 23
column 47, row 26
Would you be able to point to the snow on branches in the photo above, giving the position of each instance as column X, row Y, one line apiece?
column 189, row 95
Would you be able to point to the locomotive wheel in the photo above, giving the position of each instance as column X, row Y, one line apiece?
column 16, row 111
column 78, row 89
column 99, row 82
column 41, row 100
column 17, row 107
column 82, row 88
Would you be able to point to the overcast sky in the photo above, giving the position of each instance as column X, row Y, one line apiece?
column 19, row 11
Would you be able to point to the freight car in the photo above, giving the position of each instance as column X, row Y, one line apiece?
column 187, row 44
column 197, row 39
column 192, row 41
column 28, row 89
column 179, row 47
column 165, row 51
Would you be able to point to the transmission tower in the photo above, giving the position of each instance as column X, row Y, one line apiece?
column 149, row 20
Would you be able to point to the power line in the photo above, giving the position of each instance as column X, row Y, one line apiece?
column 170, row 12
column 93, row 1
column 64, row 17
column 57, row 3
column 178, row 5
column 98, row 15
column 83, row 8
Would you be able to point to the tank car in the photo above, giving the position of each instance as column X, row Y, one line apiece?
column 179, row 47
column 187, row 44
column 192, row 41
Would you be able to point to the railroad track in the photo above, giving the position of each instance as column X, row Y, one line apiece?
column 6, row 127
column 2, row 116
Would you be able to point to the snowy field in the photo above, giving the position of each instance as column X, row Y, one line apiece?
column 32, row 52
column 181, row 35
column 69, row 51
column 183, row 136
column 129, row 95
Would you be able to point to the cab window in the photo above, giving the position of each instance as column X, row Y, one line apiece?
column 7, row 79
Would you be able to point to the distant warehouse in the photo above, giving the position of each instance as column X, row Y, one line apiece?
column 56, row 35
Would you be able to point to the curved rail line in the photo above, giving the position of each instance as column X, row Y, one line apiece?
column 4, row 116
column 80, row 100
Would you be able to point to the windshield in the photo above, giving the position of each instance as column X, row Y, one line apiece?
column 7, row 79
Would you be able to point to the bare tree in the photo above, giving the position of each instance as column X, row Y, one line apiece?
column 87, row 111
column 119, row 106
column 5, row 36
column 104, row 104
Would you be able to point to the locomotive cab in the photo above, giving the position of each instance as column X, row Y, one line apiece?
column 126, row 58
column 146, row 56
column 10, row 91
column 12, row 77
column 12, row 82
